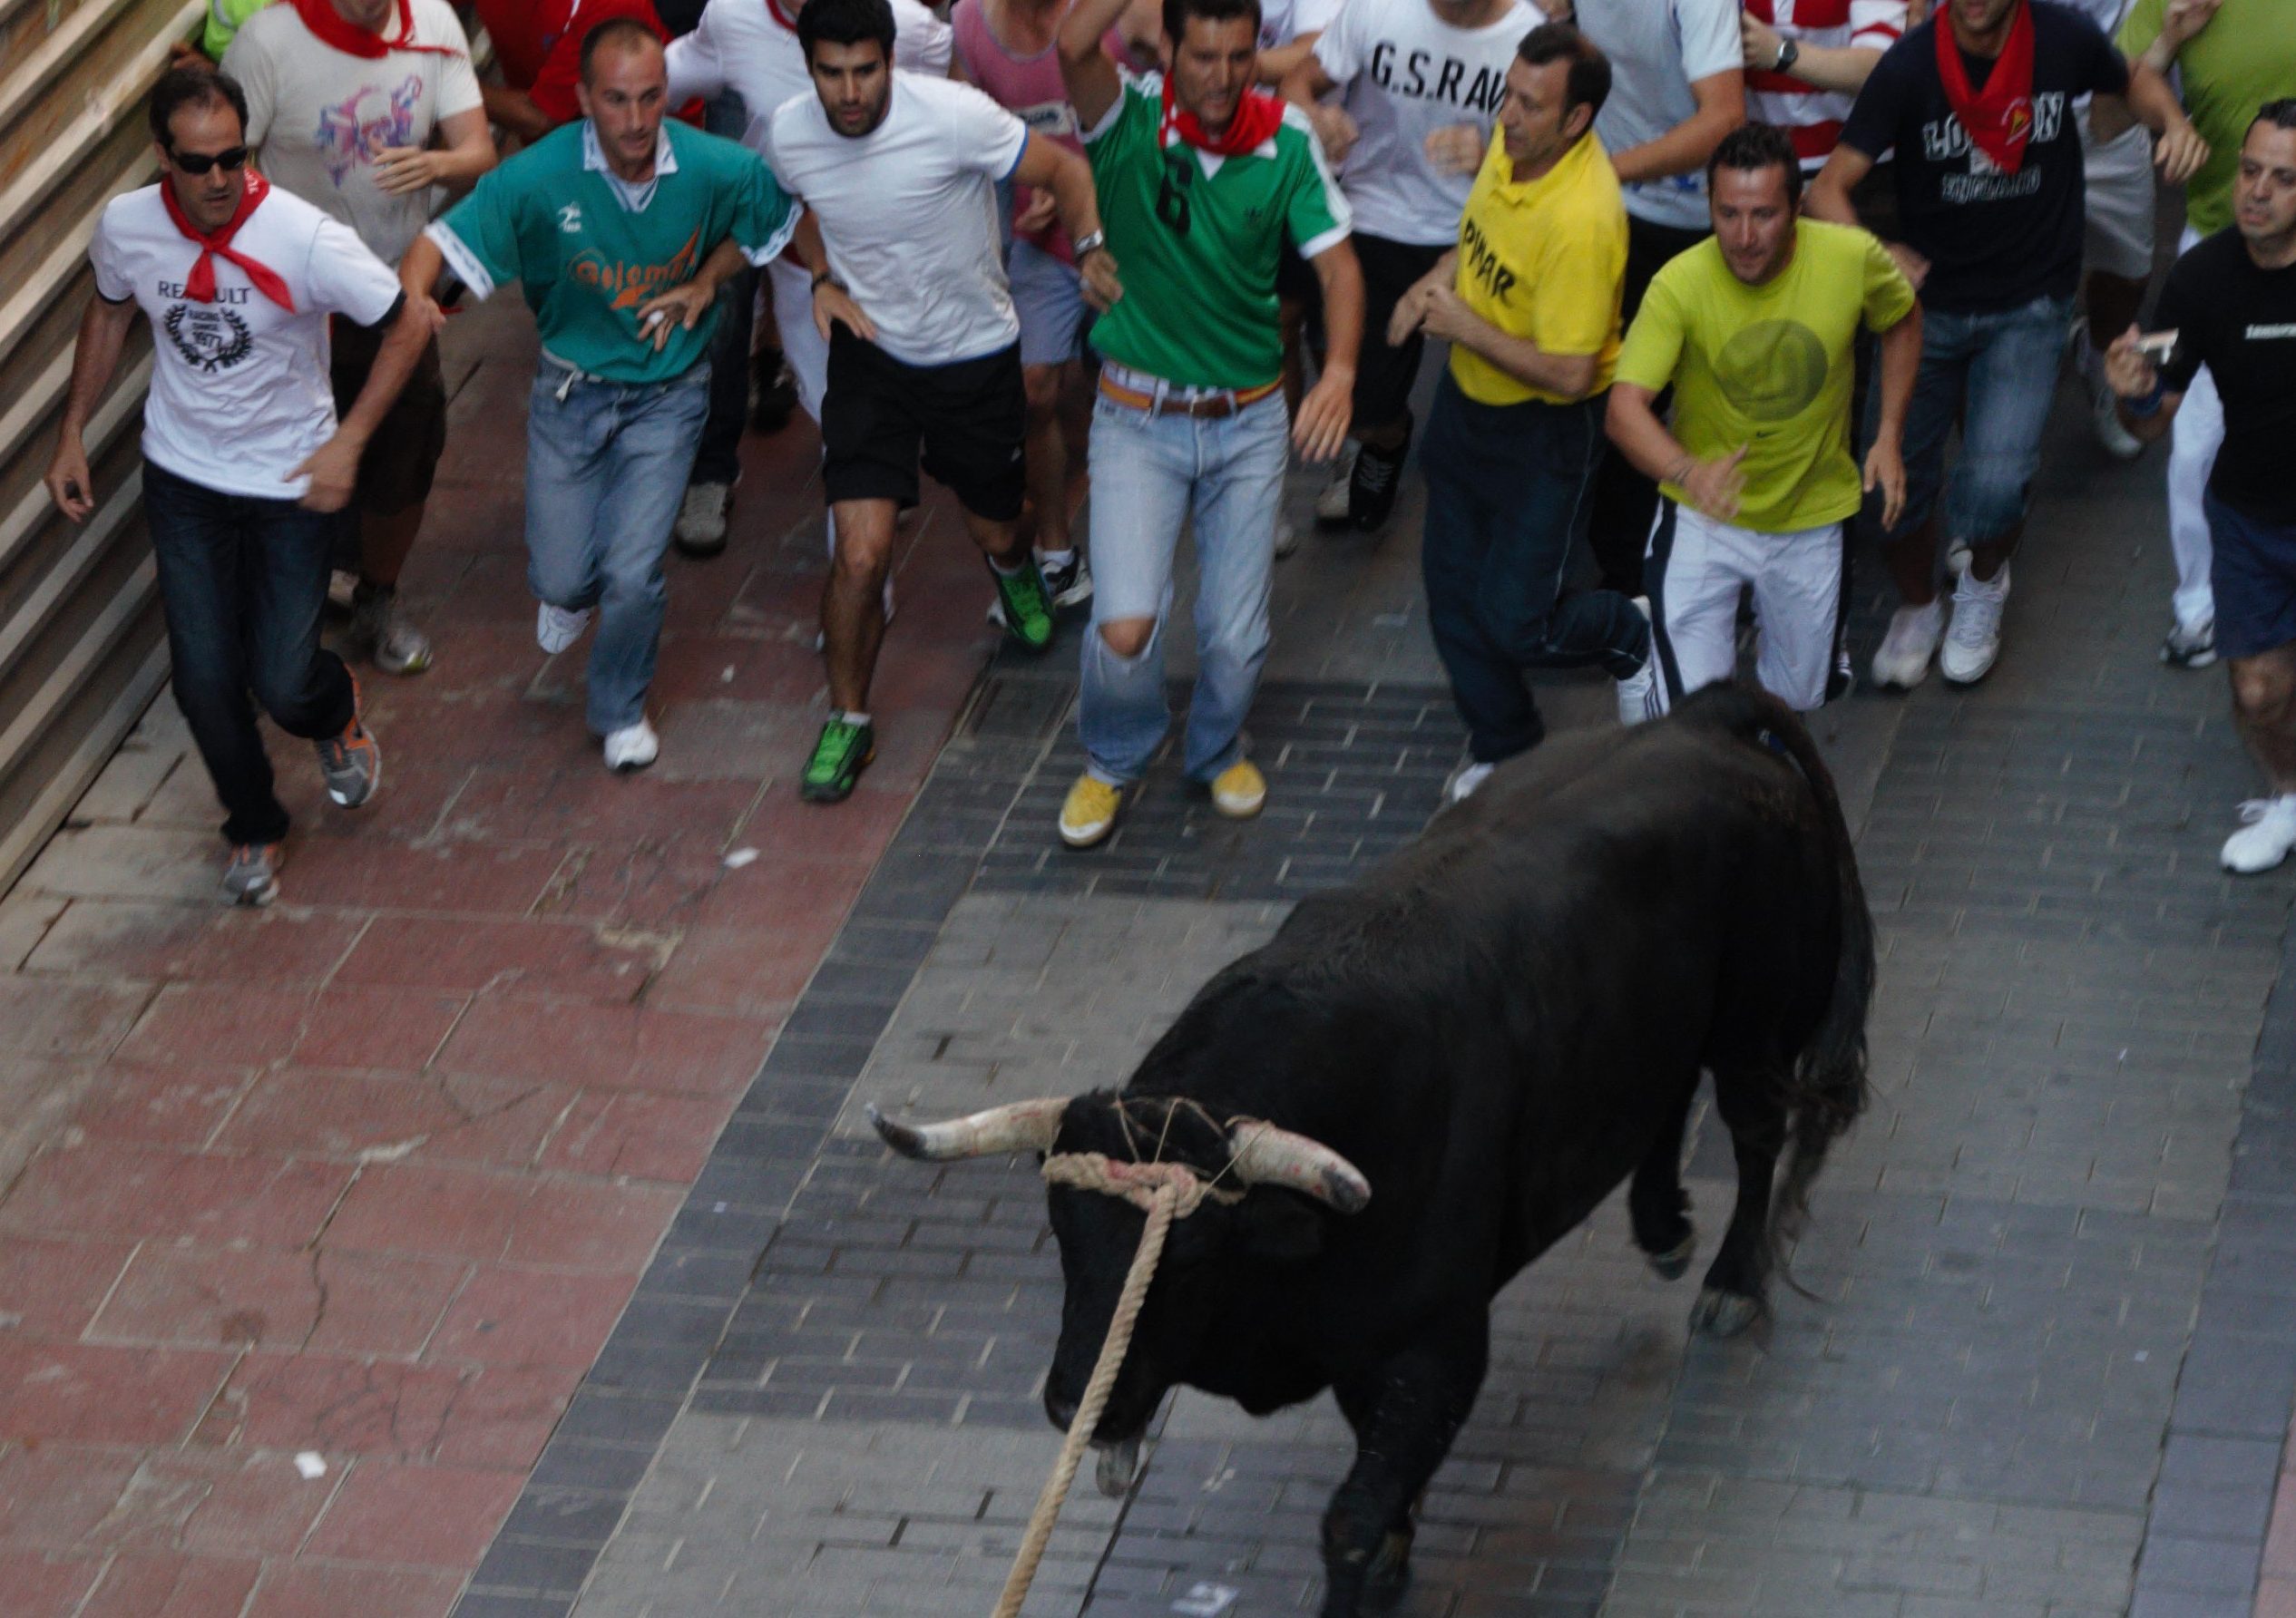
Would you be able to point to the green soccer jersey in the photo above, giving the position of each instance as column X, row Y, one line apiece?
column 1197, row 238
column 2245, row 57
column 590, row 251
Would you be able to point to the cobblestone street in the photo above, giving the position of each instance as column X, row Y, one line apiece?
column 514, row 1164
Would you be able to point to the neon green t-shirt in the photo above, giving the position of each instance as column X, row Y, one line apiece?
column 222, row 25
column 2245, row 57
column 1196, row 240
column 1769, row 366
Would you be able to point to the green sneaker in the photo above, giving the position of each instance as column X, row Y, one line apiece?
column 838, row 758
column 1028, row 610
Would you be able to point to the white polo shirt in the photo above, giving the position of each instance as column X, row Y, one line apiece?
column 908, row 212
column 240, row 393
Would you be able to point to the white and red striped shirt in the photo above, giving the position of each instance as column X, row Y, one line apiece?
column 1812, row 117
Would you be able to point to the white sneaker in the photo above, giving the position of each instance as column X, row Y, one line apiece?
column 1903, row 661
column 700, row 530
column 342, row 589
column 1287, row 537
column 1332, row 505
column 2104, row 418
column 2269, row 832
column 1464, row 780
column 2189, row 647
column 632, row 748
column 1640, row 696
column 1973, row 641
column 556, row 628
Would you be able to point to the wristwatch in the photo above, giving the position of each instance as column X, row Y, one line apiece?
column 1090, row 242
column 1789, row 53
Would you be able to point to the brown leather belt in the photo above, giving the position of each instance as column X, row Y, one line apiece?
column 1205, row 406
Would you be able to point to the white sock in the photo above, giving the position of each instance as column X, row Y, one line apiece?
column 1003, row 571
column 850, row 717
column 1055, row 558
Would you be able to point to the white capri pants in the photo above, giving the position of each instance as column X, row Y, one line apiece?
column 1698, row 567
column 2193, row 439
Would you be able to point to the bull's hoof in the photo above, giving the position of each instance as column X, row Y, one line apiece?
column 1388, row 1576
column 1718, row 1313
column 1675, row 1262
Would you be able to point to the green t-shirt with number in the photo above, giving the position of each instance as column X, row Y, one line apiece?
column 1197, row 238
column 2245, row 57
column 590, row 252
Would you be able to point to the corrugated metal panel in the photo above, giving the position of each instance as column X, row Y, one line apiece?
column 82, row 651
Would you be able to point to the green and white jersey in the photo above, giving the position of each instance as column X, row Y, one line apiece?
column 590, row 249
column 1197, row 238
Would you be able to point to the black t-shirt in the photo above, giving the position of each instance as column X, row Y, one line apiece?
column 2238, row 319
column 1994, row 239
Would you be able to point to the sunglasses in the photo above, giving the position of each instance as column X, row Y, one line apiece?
column 230, row 159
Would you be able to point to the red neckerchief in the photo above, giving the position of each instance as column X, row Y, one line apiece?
column 330, row 27
column 773, row 10
column 1258, row 118
column 1998, row 118
column 200, row 285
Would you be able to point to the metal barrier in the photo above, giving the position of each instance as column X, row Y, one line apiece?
column 82, row 651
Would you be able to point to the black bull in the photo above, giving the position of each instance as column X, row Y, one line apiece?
column 1495, row 1027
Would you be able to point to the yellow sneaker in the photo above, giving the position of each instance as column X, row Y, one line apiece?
column 1089, row 814
column 1239, row 790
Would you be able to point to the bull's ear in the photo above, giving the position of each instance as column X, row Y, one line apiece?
column 1280, row 1227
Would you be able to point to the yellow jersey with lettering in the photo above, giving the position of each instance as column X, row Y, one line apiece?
column 1543, row 259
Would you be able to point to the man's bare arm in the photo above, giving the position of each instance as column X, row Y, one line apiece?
column 95, row 357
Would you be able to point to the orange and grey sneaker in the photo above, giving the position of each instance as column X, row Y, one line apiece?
column 252, row 877
column 352, row 762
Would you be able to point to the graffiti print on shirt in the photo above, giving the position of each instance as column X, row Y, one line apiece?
column 370, row 121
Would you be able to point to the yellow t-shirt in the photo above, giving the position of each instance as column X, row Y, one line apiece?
column 1769, row 366
column 1542, row 260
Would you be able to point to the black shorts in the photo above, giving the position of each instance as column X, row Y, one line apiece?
column 1385, row 374
column 401, row 458
column 968, row 420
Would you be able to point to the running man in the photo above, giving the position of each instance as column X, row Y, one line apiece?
column 1977, row 104
column 603, row 223
column 2230, row 57
column 364, row 108
column 2229, row 306
column 245, row 463
column 900, row 171
column 1200, row 176
column 1756, row 330
column 1529, row 301
column 1419, row 83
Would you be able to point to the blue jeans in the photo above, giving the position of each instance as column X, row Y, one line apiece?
column 1149, row 474
column 1508, row 490
column 606, row 468
column 242, row 581
column 1995, row 374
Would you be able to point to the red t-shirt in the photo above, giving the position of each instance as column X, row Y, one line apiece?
column 539, row 44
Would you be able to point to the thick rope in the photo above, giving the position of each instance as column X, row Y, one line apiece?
column 1163, row 1191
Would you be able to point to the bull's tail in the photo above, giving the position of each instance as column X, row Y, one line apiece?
column 1826, row 1085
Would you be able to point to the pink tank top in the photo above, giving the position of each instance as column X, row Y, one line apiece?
column 1030, row 88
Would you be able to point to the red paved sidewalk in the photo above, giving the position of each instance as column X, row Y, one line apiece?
column 372, row 1173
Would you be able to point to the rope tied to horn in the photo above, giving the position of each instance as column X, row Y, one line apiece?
column 1163, row 1191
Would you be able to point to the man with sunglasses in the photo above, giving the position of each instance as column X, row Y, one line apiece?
column 245, row 462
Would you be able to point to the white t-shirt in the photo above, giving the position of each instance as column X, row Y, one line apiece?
column 1404, row 74
column 744, row 46
column 318, row 116
column 1656, row 47
column 909, row 212
column 239, row 388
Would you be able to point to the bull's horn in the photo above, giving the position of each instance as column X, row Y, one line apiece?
column 1017, row 1126
column 1266, row 1155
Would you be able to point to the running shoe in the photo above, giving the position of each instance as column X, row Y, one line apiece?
column 700, row 531
column 1464, row 780
column 2267, row 833
column 1089, row 815
column 384, row 638
column 1239, row 792
column 558, row 628
column 1028, row 610
column 2190, row 649
column 840, row 754
column 1377, row 479
column 1333, row 501
column 1902, row 660
column 351, row 763
column 1973, row 639
column 251, row 877
column 632, row 748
